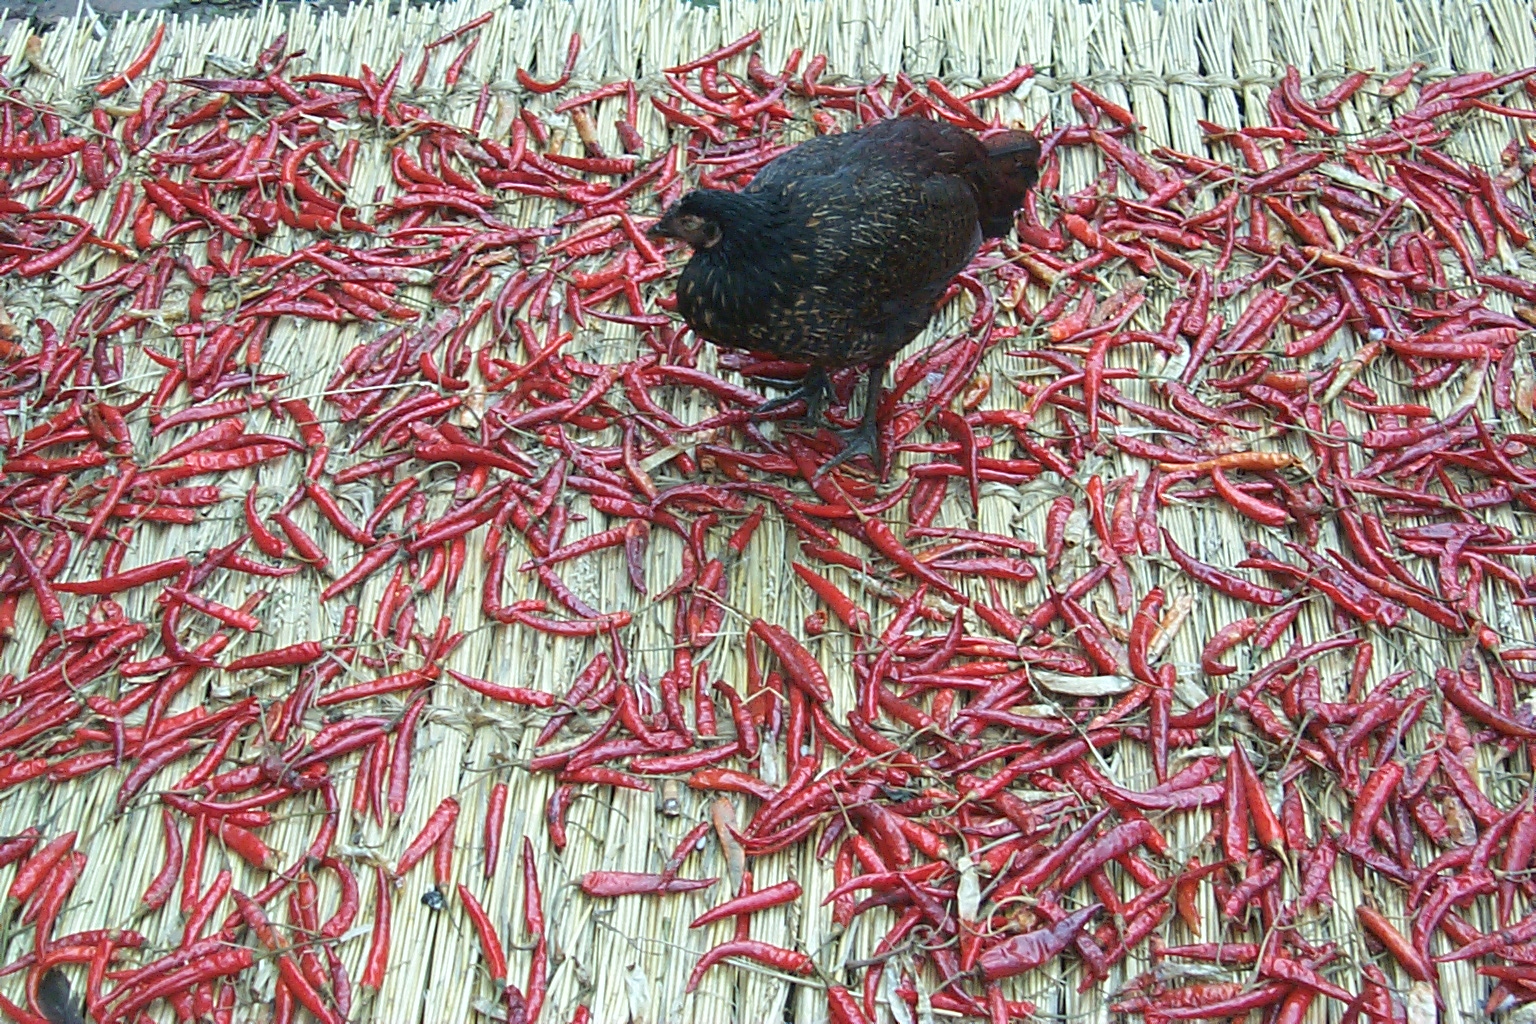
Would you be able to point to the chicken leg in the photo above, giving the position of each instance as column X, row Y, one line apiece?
column 815, row 389
column 865, row 438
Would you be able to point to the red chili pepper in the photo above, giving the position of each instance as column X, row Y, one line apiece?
column 1232, row 586
column 159, row 890
column 490, row 942
column 625, row 883
column 245, row 843
column 533, row 917
column 213, row 963
column 844, row 1009
column 378, row 949
column 781, row 959
column 1246, row 504
column 439, row 823
column 508, row 694
column 301, row 541
column 1121, row 839
column 31, row 874
column 400, row 762
column 51, row 896
column 127, row 580
column 47, row 601
column 1142, row 626
column 714, row 57
column 528, row 82
column 372, row 561
column 328, row 507
column 13, row 848
column 1371, row 802
column 442, row 860
column 1394, row 942
column 295, row 654
column 1030, row 950
column 762, row 899
column 803, row 669
column 1223, row 640
column 495, row 813
column 135, row 68
column 230, row 616
column 731, row 781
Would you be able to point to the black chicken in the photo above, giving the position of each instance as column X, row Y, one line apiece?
column 838, row 251
column 55, row 1001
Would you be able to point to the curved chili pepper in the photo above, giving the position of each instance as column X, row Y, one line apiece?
column 528, row 82
column 135, row 68
column 159, row 890
column 1223, row 640
column 490, row 942
column 788, row 960
column 1233, row 586
column 1030, row 950
column 1246, row 504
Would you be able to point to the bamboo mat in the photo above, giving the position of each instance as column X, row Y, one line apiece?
column 628, row 959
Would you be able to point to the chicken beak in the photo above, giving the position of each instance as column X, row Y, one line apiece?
column 657, row 231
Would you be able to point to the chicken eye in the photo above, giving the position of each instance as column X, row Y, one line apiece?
column 690, row 222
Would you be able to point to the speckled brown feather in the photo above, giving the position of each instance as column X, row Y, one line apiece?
column 838, row 250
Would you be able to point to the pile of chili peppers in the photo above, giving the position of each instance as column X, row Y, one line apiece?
column 1000, row 782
